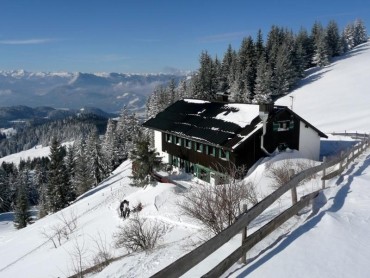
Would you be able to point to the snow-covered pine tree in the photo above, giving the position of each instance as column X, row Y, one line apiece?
column 263, row 83
column 122, row 133
column 22, row 215
column 171, row 92
column 144, row 161
column 70, row 163
column 284, row 74
column 248, row 70
column 40, row 178
column 360, row 34
column 95, row 157
column 182, row 90
column 321, row 57
column 349, row 36
column 109, row 146
column 205, row 81
column 84, row 178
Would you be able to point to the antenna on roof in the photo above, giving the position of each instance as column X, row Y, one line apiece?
column 291, row 107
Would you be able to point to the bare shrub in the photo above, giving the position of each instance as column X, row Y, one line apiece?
column 218, row 206
column 102, row 255
column 49, row 236
column 69, row 222
column 61, row 230
column 78, row 256
column 140, row 234
column 280, row 175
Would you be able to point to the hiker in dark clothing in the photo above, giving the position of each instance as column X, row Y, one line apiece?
column 123, row 209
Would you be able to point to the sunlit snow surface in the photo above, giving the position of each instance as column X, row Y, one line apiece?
column 330, row 241
column 336, row 97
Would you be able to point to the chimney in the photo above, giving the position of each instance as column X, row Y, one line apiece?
column 266, row 107
column 222, row 96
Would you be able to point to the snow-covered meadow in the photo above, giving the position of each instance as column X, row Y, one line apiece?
column 331, row 240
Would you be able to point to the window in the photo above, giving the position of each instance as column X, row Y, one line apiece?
column 224, row 154
column 211, row 150
column 283, row 125
column 188, row 143
column 198, row 147
column 178, row 140
column 168, row 138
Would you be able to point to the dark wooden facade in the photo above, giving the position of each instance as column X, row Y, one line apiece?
column 196, row 157
column 248, row 152
column 205, row 123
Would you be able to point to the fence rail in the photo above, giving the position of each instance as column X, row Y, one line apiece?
column 185, row 263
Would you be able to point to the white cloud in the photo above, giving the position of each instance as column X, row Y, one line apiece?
column 26, row 41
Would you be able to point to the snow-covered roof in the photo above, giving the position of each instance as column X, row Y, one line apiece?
column 240, row 114
column 199, row 101
column 209, row 122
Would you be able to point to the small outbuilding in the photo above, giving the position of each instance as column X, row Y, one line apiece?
column 202, row 137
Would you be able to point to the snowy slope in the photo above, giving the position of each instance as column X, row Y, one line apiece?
column 333, row 242
column 336, row 97
column 328, row 244
column 37, row 151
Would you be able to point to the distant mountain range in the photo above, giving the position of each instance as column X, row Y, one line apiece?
column 108, row 91
column 13, row 115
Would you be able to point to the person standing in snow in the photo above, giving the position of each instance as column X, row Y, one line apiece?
column 123, row 209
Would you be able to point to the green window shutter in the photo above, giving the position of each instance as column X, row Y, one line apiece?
column 214, row 151
column 201, row 147
column 275, row 126
column 291, row 125
column 227, row 155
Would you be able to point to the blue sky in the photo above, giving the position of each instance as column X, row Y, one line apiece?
column 147, row 36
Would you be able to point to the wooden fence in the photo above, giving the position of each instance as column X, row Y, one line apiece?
column 185, row 263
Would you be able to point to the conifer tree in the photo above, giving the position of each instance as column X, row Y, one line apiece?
column 247, row 66
column 110, row 146
column 333, row 39
column 263, row 83
column 70, row 164
column 304, row 50
column 22, row 215
column 84, row 178
column 4, row 191
column 205, row 82
column 144, row 161
column 259, row 46
column 96, row 159
column 57, row 177
column 360, row 34
column 42, row 183
column 321, row 57
column 349, row 36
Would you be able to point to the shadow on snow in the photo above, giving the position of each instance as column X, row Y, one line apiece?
column 313, row 219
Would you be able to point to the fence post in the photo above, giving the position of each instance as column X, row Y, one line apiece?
column 323, row 172
column 294, row 188
column 341, row 161
column 243, row 259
